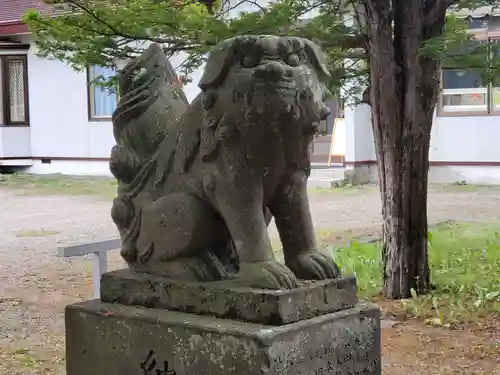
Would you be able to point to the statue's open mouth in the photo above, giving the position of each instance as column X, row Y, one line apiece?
column 267, row 89
column 272, row 102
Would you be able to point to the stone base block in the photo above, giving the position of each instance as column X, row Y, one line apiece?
column 226, row 300
column 114, row 339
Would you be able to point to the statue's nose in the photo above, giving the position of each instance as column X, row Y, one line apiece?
column 272, row 71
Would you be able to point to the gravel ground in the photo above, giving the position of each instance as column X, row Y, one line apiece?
column 35, row 285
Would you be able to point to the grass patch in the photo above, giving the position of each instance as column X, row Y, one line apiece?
column 465, row 267
column 101, row 187
column 26, row 359
column 36, row 233
column 105, row 188
column 462, row 187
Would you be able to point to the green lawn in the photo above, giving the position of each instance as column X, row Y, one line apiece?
column 105, row 188
column 465, row 268
column 100, row 187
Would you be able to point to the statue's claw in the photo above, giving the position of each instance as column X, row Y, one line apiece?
column 313, row 265
column 129, row 252
column 266, row 275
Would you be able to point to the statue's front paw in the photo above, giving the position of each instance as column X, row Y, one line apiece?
column 313, row 265
column 266, row 275
column 129, row 252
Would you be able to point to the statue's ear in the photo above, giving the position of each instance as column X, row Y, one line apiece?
column 317, row 58
column 218, row 63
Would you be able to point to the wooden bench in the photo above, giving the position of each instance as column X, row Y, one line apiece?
column 98, row 250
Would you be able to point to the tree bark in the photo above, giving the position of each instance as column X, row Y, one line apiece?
column 404, row 90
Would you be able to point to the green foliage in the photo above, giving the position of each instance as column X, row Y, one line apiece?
column 90, row 32
column 105, row 32
column 364, row 261
column 465, row 266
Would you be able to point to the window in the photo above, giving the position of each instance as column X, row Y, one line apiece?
column 463, row 91
column 478, row 23
column 102, row 100
column 466, row 91
column 14, row 93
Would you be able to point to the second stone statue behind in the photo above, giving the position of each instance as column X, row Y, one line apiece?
column 199, row 186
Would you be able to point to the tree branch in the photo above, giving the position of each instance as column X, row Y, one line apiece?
column 117, row 32
column 434, row 9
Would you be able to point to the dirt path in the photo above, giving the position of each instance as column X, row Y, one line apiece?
column 35, row 285
column 413, row 348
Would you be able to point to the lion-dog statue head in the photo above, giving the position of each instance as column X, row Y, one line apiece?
column 264, row 84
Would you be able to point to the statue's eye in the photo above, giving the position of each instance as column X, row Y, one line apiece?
column 293, row 59
column 250, row 61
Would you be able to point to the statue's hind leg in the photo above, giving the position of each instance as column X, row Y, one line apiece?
column 203, row 267
column 179, row 237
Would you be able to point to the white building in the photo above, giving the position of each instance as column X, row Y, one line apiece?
column 53, row 120
column 466, row 128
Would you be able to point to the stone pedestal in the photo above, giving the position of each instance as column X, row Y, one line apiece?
column 317, row 329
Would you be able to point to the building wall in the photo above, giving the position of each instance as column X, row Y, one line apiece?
column 59, row 123
column 60, row 138
column 15, row 141
column 466, row 139
column 463, row 149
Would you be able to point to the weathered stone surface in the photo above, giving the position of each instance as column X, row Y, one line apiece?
column 220, row 299
column 196, row 188
column 113, row 339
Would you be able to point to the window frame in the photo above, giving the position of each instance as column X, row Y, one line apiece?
column 480, row 35
column 6, row 121
column 462, row 112
column 493, row 35
column 90, row 99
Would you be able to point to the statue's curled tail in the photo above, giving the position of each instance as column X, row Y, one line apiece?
column 150, row 103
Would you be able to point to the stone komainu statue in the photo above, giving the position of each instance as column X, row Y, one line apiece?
column 199, row 185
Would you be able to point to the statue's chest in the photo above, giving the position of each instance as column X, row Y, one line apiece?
column 269, row 164
column 266, row 152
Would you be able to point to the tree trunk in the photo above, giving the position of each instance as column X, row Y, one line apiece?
column 404, row 89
